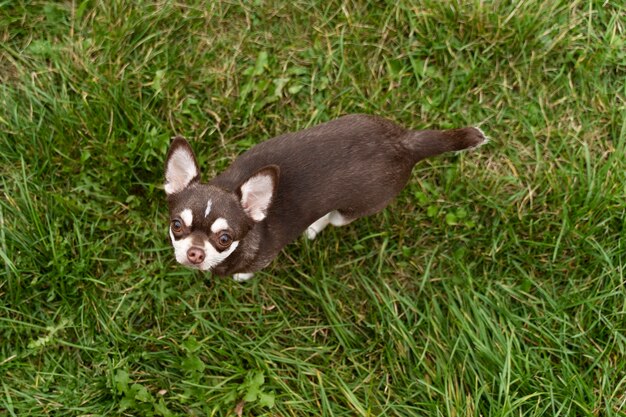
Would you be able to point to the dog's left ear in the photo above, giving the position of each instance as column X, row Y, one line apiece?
column 181, row 167
column 257, row 192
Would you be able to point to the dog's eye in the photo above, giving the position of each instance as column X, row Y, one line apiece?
column 177, row 226
column 224, row 240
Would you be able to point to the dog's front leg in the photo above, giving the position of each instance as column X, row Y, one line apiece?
column 243, row 276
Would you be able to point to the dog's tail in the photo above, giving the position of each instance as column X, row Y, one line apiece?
column 426, row 143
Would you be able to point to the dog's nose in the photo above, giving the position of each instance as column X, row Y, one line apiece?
column 195, row 255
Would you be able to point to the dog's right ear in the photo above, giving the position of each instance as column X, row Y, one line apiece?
column 257, row 192
column 181, row 167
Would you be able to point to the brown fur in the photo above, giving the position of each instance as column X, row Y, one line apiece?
column 355, row 165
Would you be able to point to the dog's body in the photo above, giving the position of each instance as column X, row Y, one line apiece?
column 328, row 174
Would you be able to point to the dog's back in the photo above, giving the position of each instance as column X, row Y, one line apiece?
column 353, row 165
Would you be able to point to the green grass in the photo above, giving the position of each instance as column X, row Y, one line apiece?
column 493, row 286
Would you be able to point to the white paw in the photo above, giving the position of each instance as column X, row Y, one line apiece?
column 313, row 230
column 310, row 233
column 243, row 277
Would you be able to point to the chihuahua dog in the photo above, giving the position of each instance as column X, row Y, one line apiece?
column 332, row 173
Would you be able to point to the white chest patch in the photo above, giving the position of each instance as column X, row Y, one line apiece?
column 187, row 217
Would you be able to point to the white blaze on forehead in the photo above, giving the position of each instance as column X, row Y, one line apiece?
column 187, row 217
column 219, row 225
column 180, row 170
column 208, row 208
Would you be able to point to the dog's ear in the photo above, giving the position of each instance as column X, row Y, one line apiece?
column 181, row 167
column 257, row 192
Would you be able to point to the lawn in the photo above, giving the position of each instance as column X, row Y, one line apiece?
column 493, row 286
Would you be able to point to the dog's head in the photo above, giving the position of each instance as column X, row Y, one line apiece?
column 207, row 223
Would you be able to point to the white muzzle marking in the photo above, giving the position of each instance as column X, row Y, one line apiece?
column 212, row 257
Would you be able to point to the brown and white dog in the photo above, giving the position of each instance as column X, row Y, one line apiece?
column 299, row 182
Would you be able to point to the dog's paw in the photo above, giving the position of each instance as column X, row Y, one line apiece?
column 243, row 277
column 310, row 233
